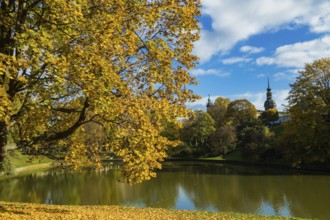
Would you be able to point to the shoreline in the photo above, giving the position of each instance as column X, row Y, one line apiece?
column 31, row 168
column 15, row 210
column 313, row 169
column 27, row 169
column 303, row 168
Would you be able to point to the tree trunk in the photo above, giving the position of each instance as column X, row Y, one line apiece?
column 3, row 140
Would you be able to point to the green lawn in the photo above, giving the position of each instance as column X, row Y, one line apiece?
column 20, row 160
column 20, row 164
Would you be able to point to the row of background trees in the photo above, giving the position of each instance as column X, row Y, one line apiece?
column 229, row 126
column 225, row 127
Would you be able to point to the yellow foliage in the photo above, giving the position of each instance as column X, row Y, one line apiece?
column 31, row 211
column 5, row 106
column 120, row 64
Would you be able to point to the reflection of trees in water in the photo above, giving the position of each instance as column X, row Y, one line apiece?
column 309, row 196
column 161, row 192
column 61, row 188
column 226, row 194
column 88, row 187
column 232, row 190
column 225, row 188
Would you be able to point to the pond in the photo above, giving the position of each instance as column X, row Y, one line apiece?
column 182, row 185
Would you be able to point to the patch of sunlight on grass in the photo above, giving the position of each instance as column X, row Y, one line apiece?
column 20, row 160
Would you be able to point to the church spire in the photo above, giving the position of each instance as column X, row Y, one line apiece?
column 268, row 83
column 269, row 103
column 209, row 103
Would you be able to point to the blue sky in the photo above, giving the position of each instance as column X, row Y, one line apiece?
column 244, row 41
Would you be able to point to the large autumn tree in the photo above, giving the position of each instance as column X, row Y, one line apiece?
column 306, row 138
column 121, row 64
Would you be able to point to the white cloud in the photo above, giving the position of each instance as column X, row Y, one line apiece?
column 280, row 97
column 318, row 16
column 257, row 99
column 265, row 61
column 237, row 20
column 297, row 54
column 250, row 49
column 202, row 72
column 261, row 75
column 233, row 60
column 210, row 44
column 287, row 75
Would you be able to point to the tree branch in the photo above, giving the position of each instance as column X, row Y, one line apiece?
column 63, row 134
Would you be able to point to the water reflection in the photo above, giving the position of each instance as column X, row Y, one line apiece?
column 201, row 186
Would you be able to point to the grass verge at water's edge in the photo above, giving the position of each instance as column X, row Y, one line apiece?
column 22, row 164
column 13, row 211
column 21, row 160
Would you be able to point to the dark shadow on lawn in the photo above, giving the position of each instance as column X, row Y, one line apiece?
column 52, row 210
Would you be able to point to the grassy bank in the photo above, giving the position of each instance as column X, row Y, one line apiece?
column 21, row 160
column 232, row 156
column 22, row 164
column 37, row 211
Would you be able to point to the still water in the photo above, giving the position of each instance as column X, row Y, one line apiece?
column 182, row 185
